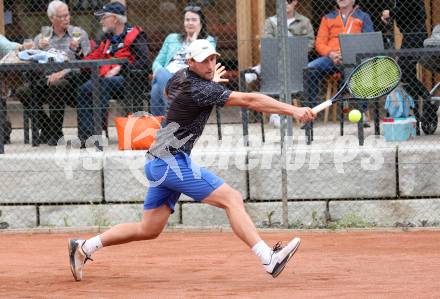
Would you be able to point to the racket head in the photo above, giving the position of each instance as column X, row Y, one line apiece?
column 374, row 77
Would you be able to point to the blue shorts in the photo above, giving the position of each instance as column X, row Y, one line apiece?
column 170, row 177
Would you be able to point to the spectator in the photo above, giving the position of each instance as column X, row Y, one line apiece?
column 99, row 35
column 7, row 46
column 121, row 40
column 297, row 25
column 410, row 18
column 172, row 55
column 347, row 19
column 57, row 89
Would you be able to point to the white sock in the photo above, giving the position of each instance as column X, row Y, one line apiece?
column 91, row 245
column 262, row 251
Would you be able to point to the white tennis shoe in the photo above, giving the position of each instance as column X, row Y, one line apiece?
column 77, row 258
column 280, row 256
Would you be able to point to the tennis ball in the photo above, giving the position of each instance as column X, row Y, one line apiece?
column 354, row 116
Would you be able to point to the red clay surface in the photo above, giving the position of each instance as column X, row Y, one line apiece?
column 371, row 264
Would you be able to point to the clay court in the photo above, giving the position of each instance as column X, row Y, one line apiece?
column 373, row 264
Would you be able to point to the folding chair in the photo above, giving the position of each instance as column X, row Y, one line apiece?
column 351, row 45
column 270, row 83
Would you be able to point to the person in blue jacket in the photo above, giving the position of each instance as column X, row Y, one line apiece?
column 172, row 55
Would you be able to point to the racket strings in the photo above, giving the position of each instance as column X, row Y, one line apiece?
column 374, row 78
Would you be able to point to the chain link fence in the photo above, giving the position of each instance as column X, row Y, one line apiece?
column 380, row 171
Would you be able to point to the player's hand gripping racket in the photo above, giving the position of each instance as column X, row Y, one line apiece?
column 373, row 78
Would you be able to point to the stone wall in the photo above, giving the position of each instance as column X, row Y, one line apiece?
column 370, row 186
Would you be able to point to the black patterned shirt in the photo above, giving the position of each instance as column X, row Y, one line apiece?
column 192, row 100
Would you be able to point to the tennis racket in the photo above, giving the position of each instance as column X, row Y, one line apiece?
column 373, row 78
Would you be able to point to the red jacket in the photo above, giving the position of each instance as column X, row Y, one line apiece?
column 102, row 52
column 332, row 25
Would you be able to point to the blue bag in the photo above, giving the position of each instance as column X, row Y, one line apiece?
column 399, row 103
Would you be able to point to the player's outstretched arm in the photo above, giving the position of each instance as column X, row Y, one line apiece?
column 262, row 103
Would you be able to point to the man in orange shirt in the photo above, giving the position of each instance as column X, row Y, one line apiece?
column 347, row 19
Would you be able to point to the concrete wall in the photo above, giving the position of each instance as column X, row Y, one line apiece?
column 51, row 178
column 322, row 173
column 370, row 186
column 419, row 170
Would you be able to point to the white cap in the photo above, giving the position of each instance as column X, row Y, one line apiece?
column 200, row 49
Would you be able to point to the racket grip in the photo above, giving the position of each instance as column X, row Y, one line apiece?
column 322, row 106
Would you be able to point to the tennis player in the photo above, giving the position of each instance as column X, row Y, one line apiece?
column 193, row 93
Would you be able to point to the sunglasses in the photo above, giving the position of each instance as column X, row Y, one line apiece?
column 194, row 8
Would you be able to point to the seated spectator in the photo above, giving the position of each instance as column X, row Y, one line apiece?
column 98, row 34
column 7, row 46
column 121, row 40
column 297, row 25
column 172, row 55
column 57, row 88
column 345, row 20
